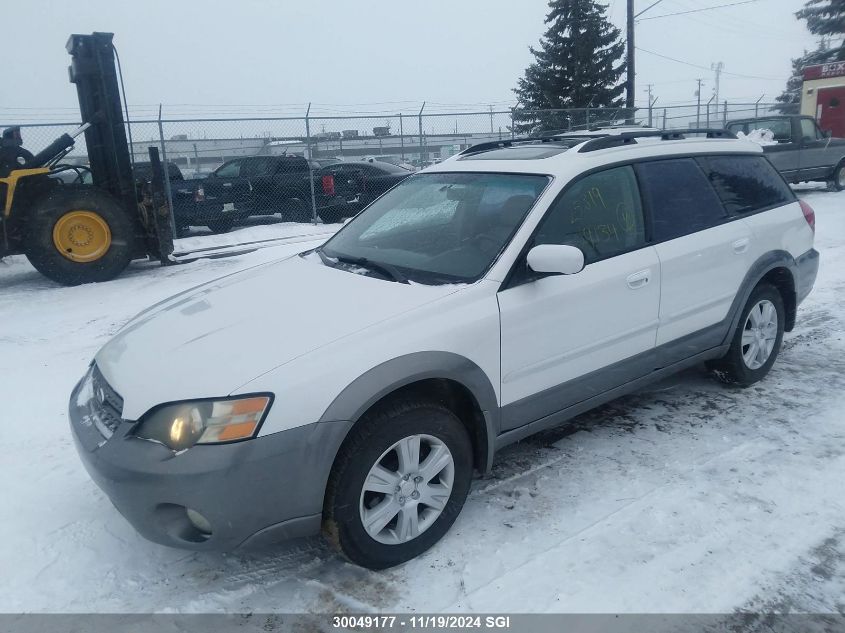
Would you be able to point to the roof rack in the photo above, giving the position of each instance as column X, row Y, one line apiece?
column 491, row 145
column 528, row 140
column 627, row 138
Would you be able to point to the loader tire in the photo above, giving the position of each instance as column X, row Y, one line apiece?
column 78, row 235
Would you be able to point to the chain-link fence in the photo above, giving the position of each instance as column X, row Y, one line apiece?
column 235, row 171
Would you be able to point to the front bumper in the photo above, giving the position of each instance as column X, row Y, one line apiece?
column 251, row 492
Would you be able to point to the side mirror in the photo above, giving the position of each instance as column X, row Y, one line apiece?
column 213, row 174
column 561, row 259
column 827, row 133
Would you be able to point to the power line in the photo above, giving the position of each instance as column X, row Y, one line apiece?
column 652, row 5
column 718, row 6
column 681, row 61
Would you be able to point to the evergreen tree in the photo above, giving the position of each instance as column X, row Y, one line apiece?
column 578, row 65
column 826, row 18
column 790, row 98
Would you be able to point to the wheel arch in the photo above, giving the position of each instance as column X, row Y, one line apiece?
column 777, row 267
column 448, row 378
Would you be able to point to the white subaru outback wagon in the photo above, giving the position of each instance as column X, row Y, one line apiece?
column 355, row 388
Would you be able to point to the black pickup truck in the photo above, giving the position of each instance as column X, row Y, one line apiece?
column 803, row 151
column 261, row 185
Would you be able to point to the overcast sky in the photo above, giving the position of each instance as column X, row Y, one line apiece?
column 212, row 57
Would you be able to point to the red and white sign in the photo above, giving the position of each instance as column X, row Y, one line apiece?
column 819, row 71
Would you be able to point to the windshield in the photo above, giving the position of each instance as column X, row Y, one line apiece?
column 440, row 228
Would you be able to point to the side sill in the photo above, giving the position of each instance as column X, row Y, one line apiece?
column 556, row 419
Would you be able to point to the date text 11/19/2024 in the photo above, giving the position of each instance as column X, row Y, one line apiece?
column 380, row 622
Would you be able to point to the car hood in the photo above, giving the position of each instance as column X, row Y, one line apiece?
column 210, row 340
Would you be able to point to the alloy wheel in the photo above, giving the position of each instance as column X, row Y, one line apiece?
column 759, row 334
column 407, row 489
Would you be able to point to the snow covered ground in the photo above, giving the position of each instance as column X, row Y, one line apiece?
column 685, row 497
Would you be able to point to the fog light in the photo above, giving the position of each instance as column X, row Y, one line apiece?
column 199, row 521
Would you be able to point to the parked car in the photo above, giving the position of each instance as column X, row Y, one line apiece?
column 803, row 152
column 493, row 296
column 318, row 163
column 393, row 160
column 258, row 185
column 371, row 179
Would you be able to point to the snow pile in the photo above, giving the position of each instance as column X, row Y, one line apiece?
column 761, row 136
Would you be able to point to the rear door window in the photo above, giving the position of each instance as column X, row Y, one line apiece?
column 254, row 167
column 292, row 165
column 809, row 131
column 679, row 198
column 746, row 183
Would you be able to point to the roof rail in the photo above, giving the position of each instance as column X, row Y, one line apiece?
column 527, row 140
column 626, row 138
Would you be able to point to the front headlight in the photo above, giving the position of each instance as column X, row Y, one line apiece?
column 183, row 424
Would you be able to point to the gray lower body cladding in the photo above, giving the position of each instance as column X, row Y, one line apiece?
column 251, row 492
column 806, row 270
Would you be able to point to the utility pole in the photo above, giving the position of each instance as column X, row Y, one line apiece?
column 698, row 104
column 630, row 88
column 717, row 68
column 630, row 77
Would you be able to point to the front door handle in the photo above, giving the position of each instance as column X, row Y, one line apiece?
column 639, row 279
column 227, row 184
column 740, row 246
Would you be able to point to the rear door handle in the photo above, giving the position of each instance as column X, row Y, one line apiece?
column 639, row 278
column 740, row 246
column 227, row 184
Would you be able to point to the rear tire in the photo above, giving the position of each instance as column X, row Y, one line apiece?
column 756, row 341
column 424, row 502
column 330, row 216
column 103, row 236
column 837, row 178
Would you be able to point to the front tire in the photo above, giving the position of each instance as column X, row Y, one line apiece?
column 756, row 341
column 297, row 210
column 78, row 235
column 223, row 225
column 398, row 483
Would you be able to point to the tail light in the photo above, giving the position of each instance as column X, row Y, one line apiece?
column 328, row 185
column 199, row 195
column 809, row 214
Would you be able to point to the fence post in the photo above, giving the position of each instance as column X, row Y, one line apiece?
column 310, row 171
column 588, row 118
column 421, row 134
column 401, row 137
column 708, row 111
column 664, row 118
column 757, row 105
column 512, row 123
column 650, row 104
column 725, row 113
column 166, row 172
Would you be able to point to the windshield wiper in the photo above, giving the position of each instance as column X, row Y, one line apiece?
column 385, row 269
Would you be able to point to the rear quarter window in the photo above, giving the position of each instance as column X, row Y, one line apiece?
column 746, row 183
